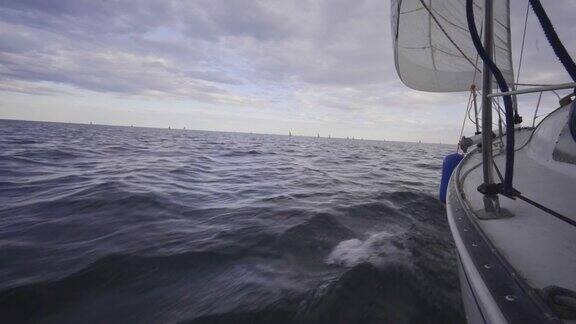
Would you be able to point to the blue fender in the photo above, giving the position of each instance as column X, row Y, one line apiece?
column 450, row 163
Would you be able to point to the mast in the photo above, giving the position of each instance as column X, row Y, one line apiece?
column 491, row 203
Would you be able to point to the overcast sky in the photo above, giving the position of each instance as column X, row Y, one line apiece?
column 270, row 66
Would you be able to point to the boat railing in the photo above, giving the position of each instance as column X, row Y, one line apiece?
column 552, row 87
column 466, row 142
column 537, row 88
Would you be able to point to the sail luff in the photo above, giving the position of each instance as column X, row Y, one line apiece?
column 433, row 50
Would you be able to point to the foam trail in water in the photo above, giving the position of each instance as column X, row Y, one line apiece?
column 377, row 249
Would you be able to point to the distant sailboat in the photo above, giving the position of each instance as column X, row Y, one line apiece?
column 289, row 133
column 318, row 135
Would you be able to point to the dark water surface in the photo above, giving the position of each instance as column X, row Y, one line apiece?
column 103, row 224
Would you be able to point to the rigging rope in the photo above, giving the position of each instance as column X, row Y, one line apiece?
column 523, row 41
column 553, row 39
column 509, row 169
column 468, row 107
column 536, row 111
column 473, row 88
column 470, row 117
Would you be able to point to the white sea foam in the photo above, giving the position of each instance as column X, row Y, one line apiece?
column 377, row 249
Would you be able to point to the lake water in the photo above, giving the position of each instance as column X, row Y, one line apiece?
column 102, row 224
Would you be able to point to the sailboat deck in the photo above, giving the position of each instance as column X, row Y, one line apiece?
column 539, row 246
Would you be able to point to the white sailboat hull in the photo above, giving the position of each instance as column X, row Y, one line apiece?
column 507, row 264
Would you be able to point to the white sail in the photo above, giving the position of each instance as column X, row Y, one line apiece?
column 432, row 45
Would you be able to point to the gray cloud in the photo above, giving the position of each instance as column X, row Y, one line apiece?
column 331, row 53
column 131, row 47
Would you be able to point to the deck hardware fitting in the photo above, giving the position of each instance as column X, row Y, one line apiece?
column 510, row 298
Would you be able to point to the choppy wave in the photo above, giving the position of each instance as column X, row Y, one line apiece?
column 116, row 225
